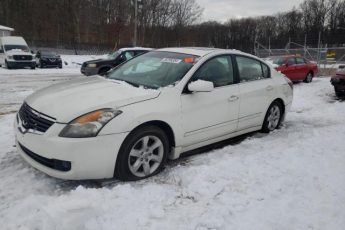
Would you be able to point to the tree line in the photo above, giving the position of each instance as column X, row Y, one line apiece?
column 161, row 23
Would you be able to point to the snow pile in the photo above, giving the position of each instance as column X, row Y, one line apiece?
column 293, row 178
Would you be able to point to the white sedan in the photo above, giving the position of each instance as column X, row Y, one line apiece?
column 151, row 108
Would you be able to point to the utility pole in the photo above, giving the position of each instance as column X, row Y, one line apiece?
column 305, row 44
column 135, row 22
column 255, row 51
column 318, row 49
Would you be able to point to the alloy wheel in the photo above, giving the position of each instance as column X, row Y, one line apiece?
column 146, row 156
column 273, row 117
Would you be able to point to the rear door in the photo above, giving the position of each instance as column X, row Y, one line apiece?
column 256, row 91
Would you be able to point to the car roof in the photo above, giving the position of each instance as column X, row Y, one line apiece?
column 134, row 48
column 13, row 40
column 198, row 51
column 287, row 56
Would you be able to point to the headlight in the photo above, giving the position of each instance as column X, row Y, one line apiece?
column 10, row 57
column 92, row 65
column 90, row 124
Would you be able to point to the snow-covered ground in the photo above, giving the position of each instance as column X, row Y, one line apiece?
column 293, row 178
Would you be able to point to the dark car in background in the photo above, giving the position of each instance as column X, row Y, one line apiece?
column 295, row 67
column 48, row 59
column 338, row 81
column 101, row 66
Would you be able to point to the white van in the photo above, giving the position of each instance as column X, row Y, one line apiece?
column 15, row 53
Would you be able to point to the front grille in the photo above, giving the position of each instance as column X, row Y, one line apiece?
column 32, row 119
column 22, row 57
column 50, row 163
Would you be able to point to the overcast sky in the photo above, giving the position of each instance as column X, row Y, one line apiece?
column 222, row 10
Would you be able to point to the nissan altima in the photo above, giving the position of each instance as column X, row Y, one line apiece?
column 147, row 110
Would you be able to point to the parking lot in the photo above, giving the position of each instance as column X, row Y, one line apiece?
column 293, row 178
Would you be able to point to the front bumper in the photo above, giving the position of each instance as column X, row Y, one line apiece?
column 339, row 84
column 21, row 64
column 47, row 63
column 89, row 71
column 89, row 158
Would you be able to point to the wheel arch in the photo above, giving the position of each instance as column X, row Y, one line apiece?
column 281, row 102
column 104, row 67
column 158, row 123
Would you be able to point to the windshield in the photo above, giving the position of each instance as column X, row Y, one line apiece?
column 48, row 54
column 154, row 69
column 113, row 55
column 16, row 47
column 277, row 60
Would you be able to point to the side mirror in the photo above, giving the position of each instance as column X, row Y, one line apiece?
column 201, row 86
column 32, row 52
column 121, row 59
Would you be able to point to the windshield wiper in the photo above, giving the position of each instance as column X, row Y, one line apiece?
column 128, row 82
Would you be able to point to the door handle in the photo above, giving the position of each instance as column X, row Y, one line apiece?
column 233, row 98
column 269, row 88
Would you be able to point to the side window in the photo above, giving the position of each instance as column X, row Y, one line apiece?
column 129, row 55
column 249, row 69
column 138, row 52
column 218, row 70
column 300, row 61
column 291, row 61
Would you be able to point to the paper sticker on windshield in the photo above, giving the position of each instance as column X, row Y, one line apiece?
column 171, row 60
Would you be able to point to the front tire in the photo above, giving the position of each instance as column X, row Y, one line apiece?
column 309, row 77
column 142, row 154
column 273, row 117
column 6, row 65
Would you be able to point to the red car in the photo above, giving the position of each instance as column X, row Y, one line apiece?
column 295, row 67
column 338, row 81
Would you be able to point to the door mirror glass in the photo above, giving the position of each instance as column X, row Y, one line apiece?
column 201, row 86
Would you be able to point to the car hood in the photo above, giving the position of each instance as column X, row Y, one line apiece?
column 99, row 61
column 18, row 52
column 66, row 101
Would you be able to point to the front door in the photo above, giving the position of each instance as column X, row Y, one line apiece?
column 208, row 115
column 290, row 69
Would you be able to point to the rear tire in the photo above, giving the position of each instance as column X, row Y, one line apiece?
column 309, row 77
column 142, row 154
column 273, row 117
